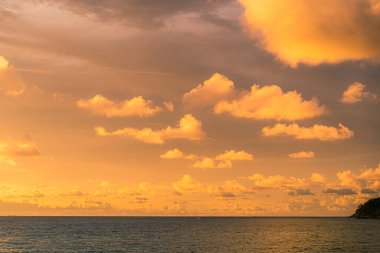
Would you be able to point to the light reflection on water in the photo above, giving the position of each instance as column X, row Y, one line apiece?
column 121, row 234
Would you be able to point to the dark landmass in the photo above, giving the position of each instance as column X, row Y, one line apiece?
column 368, row 210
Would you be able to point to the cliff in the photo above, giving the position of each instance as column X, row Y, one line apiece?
column 368, row 210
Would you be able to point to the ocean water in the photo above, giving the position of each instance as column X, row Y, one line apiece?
column 127, row 234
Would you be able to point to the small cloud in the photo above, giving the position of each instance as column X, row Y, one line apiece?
column 340, row 191
column 136, row 106
column 169, row 106
column 105, row 183
column 214, row 89
column 302, row 154
column 317, row 178
column 9, row 150
column 186, row 184
column 189, row 128
column 177, row 154
column 11, row 83
column 233, row 155
column 319, row 132
column 300, row 192
column 210, row 163
column 355, row 93
column 368, row 191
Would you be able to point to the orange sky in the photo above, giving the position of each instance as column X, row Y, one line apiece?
column 183, row 107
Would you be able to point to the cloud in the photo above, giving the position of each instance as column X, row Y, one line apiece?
column 169, row 106
column 270, row 102
column 214, row 89
column 300, row 192
column 302, row 154
column 148, row 14
column 186, row 184
column 315, row 32
column 355, row 93
column 319, row 132
column 136, row 106
column 223, row 160
column 9, row 150
column 233, row 155
column 210, row 163
column 317, row 178
column 340, row 191
column 177, row 154
column 278, row 182
column 229, row 189
column 189, row 128
column 11, row 83
column 368, row 191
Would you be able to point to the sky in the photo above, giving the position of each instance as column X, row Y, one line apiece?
column 189, row 108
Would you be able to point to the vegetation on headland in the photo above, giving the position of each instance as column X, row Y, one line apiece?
column 368, row 210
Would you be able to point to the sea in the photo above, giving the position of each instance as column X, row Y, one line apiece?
column 188, row 234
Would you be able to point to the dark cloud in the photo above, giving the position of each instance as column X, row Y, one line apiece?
column 300, row 192
column 368, row 191
column 148, row 14
column 340, row 191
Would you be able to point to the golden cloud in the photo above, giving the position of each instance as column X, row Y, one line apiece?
column 189, row 128
column 177, row 154
column 221, row 161
column 11, row 149
column 270, row 102
column 186, row 184
column 278, row 182
column 320, row 132
column 355, row 93
column 315, row 32
column 214, row 89
column 302, row 154
column 11, row 83
column 136, row 106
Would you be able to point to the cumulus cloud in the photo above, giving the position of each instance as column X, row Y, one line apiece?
column 270, row 102
column 223, row 160
column 177, row 154
column 189, row 128
column 302, row 154
column 228, row 189
column 317, row 178
column 186, row 184
column 319, row 132
column 136, row 106
column 260, row 103
column 220, row 161
column 278, row 182
column 11, row 83
column 355, row 93
column 315, row 32
column 214, row 89
column 9, row 150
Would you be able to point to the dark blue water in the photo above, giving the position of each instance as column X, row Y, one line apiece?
column 121, row 234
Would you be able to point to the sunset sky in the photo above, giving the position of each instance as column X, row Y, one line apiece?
column 178, row 107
